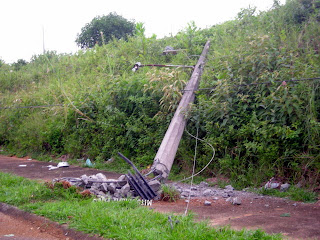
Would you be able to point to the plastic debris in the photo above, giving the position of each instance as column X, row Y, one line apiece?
column 22, row 165
column 63, row 164
column 60, row 165
column 272, row 184
column 285, row 215
column 89, row 163
column 136, row 66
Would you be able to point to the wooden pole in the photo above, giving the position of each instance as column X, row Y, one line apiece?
column 166, row 153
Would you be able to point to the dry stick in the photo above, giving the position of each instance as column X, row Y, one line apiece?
column 76, row 109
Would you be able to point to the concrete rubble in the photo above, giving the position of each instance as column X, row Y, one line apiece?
column 203, row 190
column 114, row 189
column 103, row 187
column 276, row 184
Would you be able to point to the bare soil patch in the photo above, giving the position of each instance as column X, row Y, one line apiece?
column 16, row 224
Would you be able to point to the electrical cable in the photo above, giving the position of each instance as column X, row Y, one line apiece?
column 41, row 106
column 250, row 84
column 193, row 170
column 213, row 155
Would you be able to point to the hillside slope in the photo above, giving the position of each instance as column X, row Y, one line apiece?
column 261, row 123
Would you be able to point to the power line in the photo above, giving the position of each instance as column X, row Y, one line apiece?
column 42, row 106
column 250, row 84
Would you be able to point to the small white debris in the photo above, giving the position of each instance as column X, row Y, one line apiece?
column 236, row 201
column 284, row 187
column 207, row 203
column 22, row 165
column 229, row 188
column 63, row 164
column 60, row 165
column 9, row 235
column 272, row 183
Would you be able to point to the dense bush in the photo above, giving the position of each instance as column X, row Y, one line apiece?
column 260, row 123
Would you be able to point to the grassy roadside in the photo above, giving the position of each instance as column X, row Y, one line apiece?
column 116, row 220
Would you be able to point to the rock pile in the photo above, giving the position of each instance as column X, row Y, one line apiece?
column 112, row 189
column 209, row 193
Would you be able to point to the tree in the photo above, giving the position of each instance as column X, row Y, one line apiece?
column 103, row 28
column 19, row 64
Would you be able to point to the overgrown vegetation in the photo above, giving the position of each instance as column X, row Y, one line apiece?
column 294, row 193
column 116, row 220
column 169, row 193
column 101, row 107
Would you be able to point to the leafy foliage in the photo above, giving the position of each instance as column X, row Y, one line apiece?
column 260, row 122
column 103, row 29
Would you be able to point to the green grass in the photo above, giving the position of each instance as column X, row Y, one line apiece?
column 295, row 194
column 116, row 220
column 169, row 193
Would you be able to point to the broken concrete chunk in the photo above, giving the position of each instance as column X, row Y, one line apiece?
column 95, row 187
column 271, row 185
column 207, row 192
column 122, row 178
column 155, row 185
column 185, row 193
column 203, row 184
column 94, row 191
column 101, row 177
column 284, row 187
column 125, row 190
column 117, row 193
column 229, row 188
column 236, row 201
column 225, row 195
column 193, row 194
column 104, row 187
column 85, row 179
column 112, row 188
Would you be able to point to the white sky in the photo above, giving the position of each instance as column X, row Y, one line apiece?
column 23, row 22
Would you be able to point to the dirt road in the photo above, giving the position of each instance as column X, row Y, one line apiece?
column 294, row 220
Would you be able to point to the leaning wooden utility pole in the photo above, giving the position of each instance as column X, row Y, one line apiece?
column 164, row 159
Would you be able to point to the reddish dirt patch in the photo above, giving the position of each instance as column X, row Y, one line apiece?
column 294, row 220
column 274, row 215
column 39, row 171
column 13, row 228
column 19, row 225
